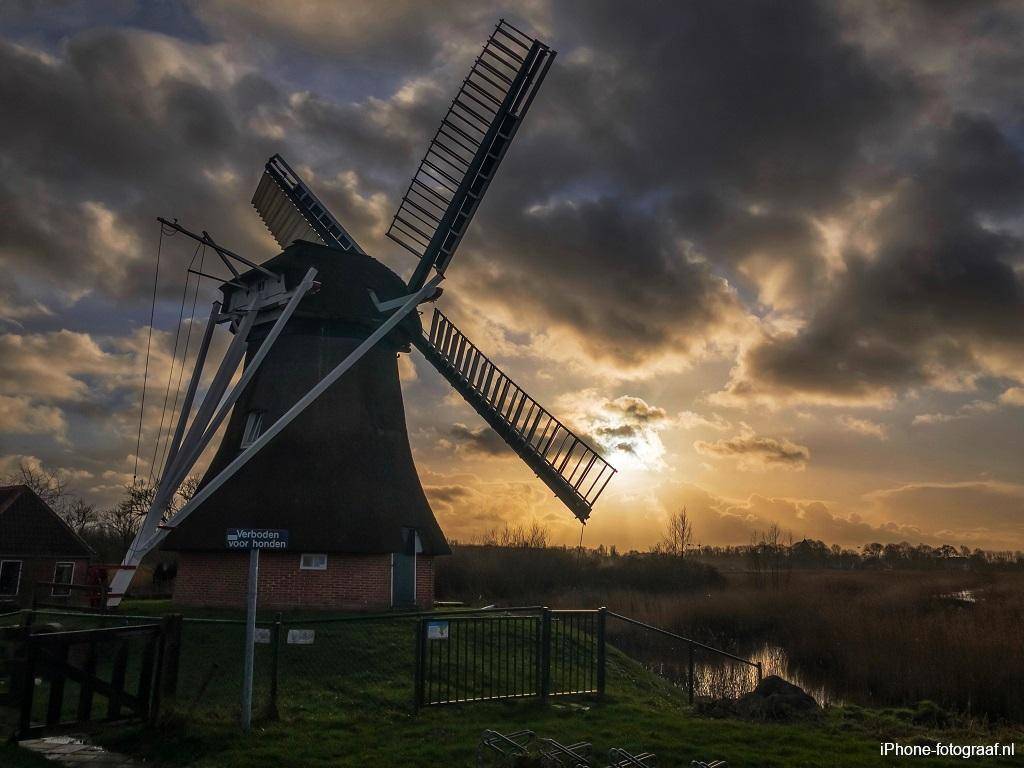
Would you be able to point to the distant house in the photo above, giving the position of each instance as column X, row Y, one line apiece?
column 36, row 545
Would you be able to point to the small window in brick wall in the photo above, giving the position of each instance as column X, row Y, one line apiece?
column 313, row 563
column 10, row 577
column 63, row 573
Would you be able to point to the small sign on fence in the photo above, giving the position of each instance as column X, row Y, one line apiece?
column 262, row 635
column 301, row 636
column 437, row 630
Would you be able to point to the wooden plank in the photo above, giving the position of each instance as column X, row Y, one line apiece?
column 86, row 685
column 100, row 686
column 56, row 691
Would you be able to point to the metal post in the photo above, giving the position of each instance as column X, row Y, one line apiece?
column 250, row 638
column 602, row 658
column 545, row 653
column 690, row 676
column 275, row 666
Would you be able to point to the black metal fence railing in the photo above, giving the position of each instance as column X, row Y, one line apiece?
column 480, row 658
column 476, row 658
column 692, row 647
column 576, row 652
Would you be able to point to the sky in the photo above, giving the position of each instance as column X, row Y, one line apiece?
column 769, row 256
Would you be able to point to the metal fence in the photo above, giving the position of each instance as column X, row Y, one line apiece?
column 726, row 676
column 303, row 665
column 538, row 653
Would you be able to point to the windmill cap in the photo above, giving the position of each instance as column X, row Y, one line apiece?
column 345, row 281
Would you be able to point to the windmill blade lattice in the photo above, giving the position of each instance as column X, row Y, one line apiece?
column 292, row 212
column 468, row 147
column 573, row 470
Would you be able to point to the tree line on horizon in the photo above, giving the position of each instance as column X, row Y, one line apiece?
column 773, row 550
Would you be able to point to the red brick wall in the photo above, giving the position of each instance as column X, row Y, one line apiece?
column 424, row 582
column 351, row 582
column 35, row 569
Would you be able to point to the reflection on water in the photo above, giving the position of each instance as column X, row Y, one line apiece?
column 719, row 677
column 963, row 596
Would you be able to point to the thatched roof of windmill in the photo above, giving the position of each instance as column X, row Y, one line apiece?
column 340, row 477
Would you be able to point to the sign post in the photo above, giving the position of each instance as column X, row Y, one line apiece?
column 252, row 539
column 250, row 638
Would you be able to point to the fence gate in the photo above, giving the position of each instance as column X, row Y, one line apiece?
column 131, row 667
column 485, row 657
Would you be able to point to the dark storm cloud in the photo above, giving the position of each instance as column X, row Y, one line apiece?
column 482, row 440
column 671, row 151
column 669, row 182
column 128, row 123
column 939, row 298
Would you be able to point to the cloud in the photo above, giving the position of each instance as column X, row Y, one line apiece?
column 985, row 513
column 721, row 520
column 933, row 300
column 634, row 410
column 963, row 412
column 753, row 452
column 864, row 427
column 1013, row 396
column 466, row 504
column 58, row 366
column 18, row 415
column 625, row 428
column 481, row 441
column 691, row 420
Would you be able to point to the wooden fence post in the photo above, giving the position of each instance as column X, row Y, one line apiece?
column 172, row 656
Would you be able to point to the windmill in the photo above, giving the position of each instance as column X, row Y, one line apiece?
column 315, row 423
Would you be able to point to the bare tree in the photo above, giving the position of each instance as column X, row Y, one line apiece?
column 678, row 535
column 122, row 521
column 48, row 484
column 80, row 516
column 189, row 487
column 769, row 554
column 534, row 536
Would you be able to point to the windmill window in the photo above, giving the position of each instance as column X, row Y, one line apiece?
column 63, row 573
column 10, row 577
column 316, row 562
column 253, row 428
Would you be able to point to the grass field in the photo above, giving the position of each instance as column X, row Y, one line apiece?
column 351, row 705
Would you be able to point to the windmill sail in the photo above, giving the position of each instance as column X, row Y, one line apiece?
column 573, row 470
column 468, row 147
column 292, row 212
